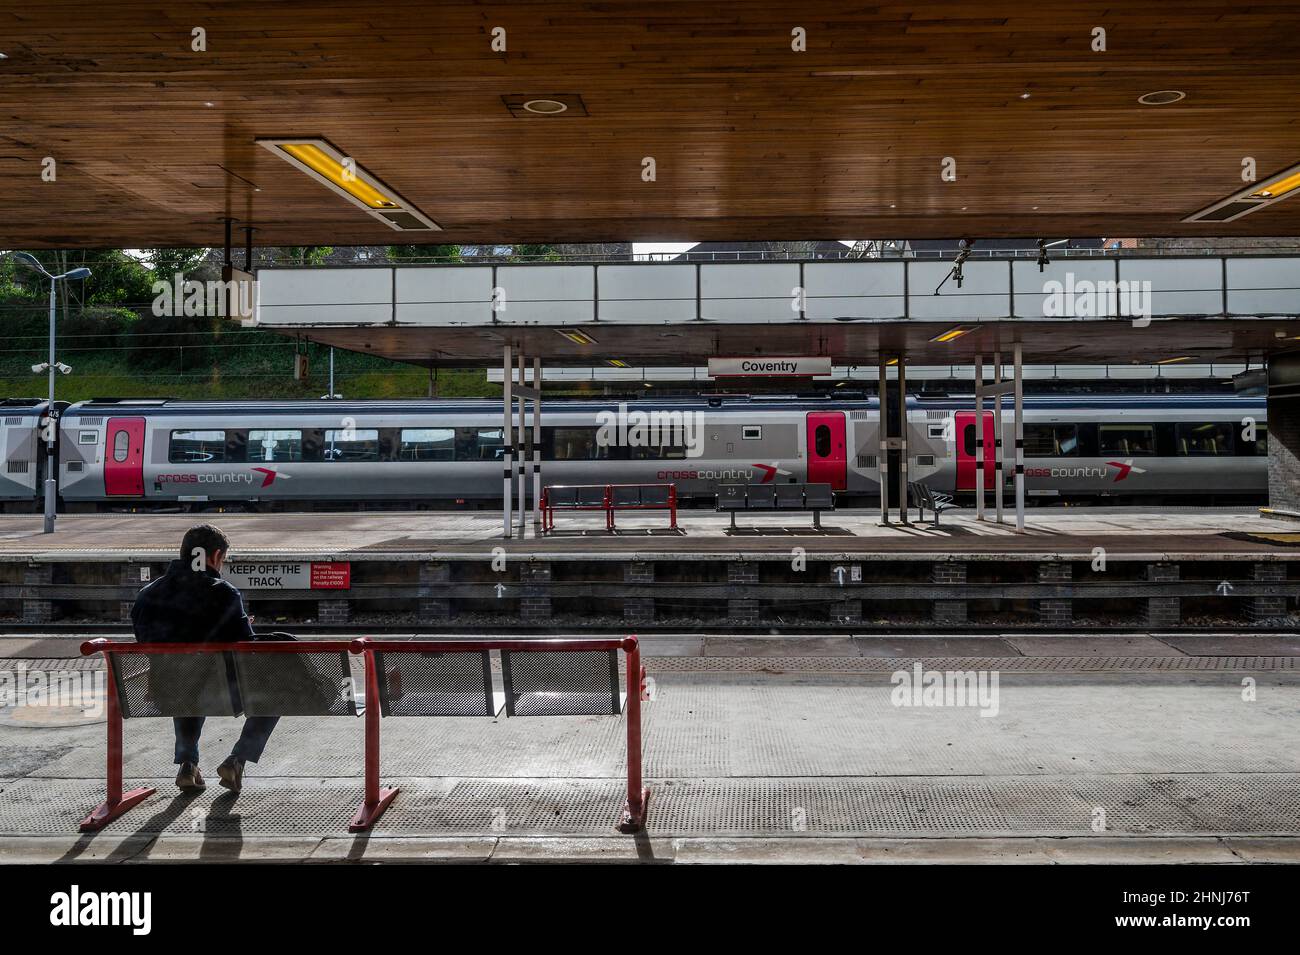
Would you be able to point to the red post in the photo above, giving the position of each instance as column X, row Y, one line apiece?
column 609, row 507
column 376, row 800
column 116, row 802
column 638, row 795
column 672, row 504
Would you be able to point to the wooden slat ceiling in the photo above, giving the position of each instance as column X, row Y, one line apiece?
column 751, row 140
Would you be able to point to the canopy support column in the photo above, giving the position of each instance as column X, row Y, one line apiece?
column 998, row 479
column 507, row 432
column 979, row 437
column 1018, row 373
column 904, row 499
column 882, row 459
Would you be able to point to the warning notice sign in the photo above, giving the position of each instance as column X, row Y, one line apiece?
column 289, row 576
column 334, row 576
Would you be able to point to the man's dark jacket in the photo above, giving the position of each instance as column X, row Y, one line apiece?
column 190, row 606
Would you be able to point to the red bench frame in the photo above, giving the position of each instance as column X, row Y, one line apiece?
column 377, row 799
column 608, row 505
column 116, row 801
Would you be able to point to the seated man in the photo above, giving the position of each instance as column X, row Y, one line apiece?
column 192, row 604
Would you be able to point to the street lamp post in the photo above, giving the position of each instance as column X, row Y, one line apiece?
column 51, row 481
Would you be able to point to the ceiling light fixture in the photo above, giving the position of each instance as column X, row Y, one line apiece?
column 952, row 334
column 1162, row 97
column 1171, row 361
column 575, row 336
column 617, row 362
column 330, row 167
column 546, row 107
column 1251, row 199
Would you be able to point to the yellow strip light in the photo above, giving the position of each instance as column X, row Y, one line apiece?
column 1279, row 188
column 950, row 335
column 1170, row 361
column 617, row 362
column 326, row 166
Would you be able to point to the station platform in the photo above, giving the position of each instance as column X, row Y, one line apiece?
column 1167, row 533
column 751, row 757
column 1090, row 568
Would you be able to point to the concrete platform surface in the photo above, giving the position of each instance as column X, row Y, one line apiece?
column 747, row 765
column 1134, row 533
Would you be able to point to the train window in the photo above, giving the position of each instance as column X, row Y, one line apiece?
column 479, row 444
column 274, row 445
column 822, row 441
column 1127, row 439
column 666, row 451
column 1051, row 441
column 751, row 432
column 427, row 444
column 578, row 444
column 360, row 444
column 196, row 447
column 967, row 440
column 121, row 446
column 1257, row 448
column 1212, row 438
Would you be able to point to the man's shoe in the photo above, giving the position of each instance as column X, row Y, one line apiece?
column 189, row 779
column 232, row 774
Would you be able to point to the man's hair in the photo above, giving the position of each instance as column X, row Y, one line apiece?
column 205, row 537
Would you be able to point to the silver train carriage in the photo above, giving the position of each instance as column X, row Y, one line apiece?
column 447, row 453
column 22, row 477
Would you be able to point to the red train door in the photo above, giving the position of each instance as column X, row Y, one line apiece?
column 965, row 422
column 124, row 458
column 827, row 457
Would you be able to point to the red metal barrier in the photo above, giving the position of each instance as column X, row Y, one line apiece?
column 377, row 799
column 117, row 802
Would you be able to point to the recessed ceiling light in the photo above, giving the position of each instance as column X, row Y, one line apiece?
column 4, row 56
column 1025, row 95
column 952, row 334
column 209, row 104
column 1162, row 97
column 1251, row 199
column 546, row 107
column 330, row 167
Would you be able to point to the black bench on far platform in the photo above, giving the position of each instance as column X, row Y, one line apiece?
column 936, row 501
column 760, row 498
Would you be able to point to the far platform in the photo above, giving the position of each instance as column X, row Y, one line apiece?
column 1074, row 533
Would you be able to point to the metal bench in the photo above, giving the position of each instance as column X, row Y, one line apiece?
column 539, row 678
column 257, row 678
column 759, row 498
column 923, row 498
column 573, row 497
column 609, row 498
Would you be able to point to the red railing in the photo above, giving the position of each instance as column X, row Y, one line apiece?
column 376, row 799
column 607, row 504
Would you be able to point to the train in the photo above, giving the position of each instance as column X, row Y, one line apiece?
column 140, row 454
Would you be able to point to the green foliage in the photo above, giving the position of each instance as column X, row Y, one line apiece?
column 427, row 253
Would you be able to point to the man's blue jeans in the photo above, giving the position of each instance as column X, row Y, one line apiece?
column 252, row 739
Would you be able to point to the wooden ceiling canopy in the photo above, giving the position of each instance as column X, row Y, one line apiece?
column 154, row 142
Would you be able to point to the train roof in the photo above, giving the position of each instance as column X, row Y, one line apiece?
column 168, row 406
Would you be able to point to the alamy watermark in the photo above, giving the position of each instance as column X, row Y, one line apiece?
column 651, row 429
column 82, row 689
column 1084, row 298
column 214, row 298
column 936, row 688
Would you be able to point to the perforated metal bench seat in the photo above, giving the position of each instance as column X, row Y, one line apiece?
column 760, row 498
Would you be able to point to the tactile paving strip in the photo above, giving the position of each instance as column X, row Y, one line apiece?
column 1021, row 664
column 1020, row 805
